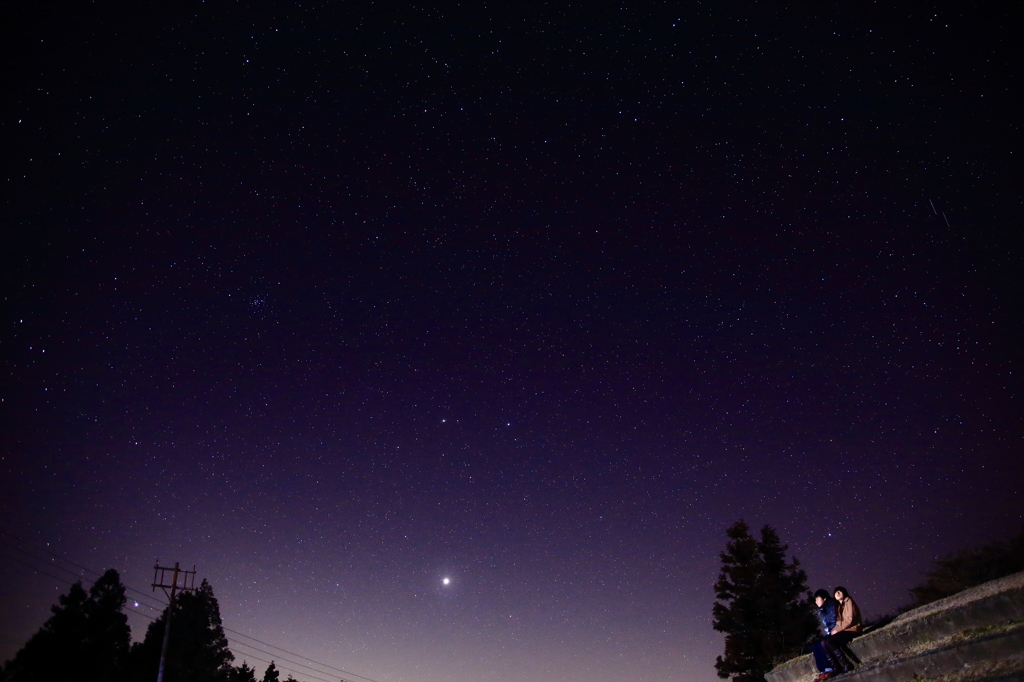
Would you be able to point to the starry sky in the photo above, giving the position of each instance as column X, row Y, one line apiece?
column 337, row 300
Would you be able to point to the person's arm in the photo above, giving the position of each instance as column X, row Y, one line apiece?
column 845, row 616
column 855, row 622
column 829, row 619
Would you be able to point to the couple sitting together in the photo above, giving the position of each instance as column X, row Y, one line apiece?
column 840, row 619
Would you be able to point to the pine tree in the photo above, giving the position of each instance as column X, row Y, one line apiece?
column 272, row 674
column 737, row 585
column 785, row 600
column 109, row 636
column 85, row 639
column 197, row 651
column 243, row 673
column 763, row 607
column 50, row 654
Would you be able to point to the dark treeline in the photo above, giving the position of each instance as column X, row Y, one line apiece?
column 87, row 639
column 969, row 567
column 764, row 610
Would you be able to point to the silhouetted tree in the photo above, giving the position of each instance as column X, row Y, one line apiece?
column 969, row 567
column 243, row 673
column 763, row 607
column 85, row 639
column 197, row 651
column 785, row 599
column 50, row 654
column 272, row 674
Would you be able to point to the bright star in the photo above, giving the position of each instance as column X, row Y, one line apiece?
column 446, row 581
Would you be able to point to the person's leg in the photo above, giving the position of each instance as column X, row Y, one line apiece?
column 821, row 657
column 834, row 647
column 834, row 657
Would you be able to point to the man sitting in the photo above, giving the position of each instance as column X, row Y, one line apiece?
column 827, row 617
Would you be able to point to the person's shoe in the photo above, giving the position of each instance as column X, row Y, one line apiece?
column 823, row 676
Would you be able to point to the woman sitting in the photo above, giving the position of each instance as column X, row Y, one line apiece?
column 848, row 626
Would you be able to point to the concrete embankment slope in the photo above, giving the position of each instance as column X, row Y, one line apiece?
column 972, row 636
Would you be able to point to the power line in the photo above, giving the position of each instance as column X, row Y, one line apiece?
column 276, row 659
column 161, row 607
column 38, row 570
column 143, row 595
column 235, row 641
column 81, row 579
column 146, row 596
column 238, row 643
column 54, row 555
column 291, row 653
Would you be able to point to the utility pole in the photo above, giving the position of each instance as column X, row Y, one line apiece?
column 187, row 582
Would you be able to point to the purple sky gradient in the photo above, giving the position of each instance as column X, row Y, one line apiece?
column 334, row 303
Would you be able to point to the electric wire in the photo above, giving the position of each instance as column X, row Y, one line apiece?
column 143, row 596
column 37, row 570
column 160, row 607
column 236, row 642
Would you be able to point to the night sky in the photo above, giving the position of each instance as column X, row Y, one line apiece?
column 334, row 301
